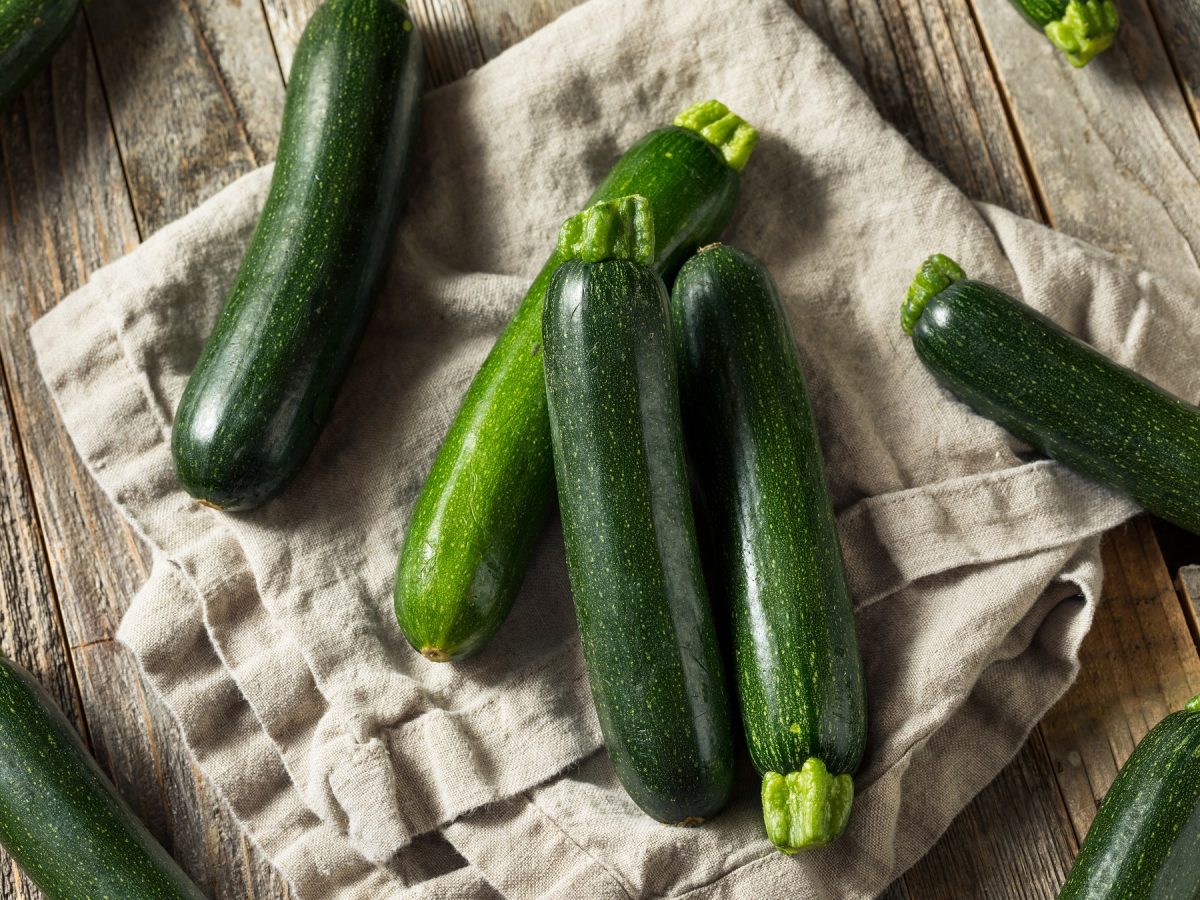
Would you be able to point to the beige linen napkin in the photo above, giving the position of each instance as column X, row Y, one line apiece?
column 352, row 761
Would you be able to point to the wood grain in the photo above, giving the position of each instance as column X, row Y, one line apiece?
column 1112, row 147
column 183, row 132
column 65, row 210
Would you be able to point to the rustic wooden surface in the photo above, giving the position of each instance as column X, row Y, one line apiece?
column 152, row 106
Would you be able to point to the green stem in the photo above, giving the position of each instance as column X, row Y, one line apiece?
column 1087, row 27
column 727, row 131
column 806, row 809
column 936, row 274
column 611, row 229
column 1193, row 705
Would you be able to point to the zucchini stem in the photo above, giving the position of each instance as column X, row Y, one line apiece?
column 936, row 274
column 1193, row 705
column 725, row 130
column 806, row 809
column 1087, row 27
column 612, row 229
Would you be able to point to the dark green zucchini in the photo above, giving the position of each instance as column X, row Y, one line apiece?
column 1013, row 365
column 753, row 441
column 474, row 524
column 60, row 817
column 264, row 385
column 1144, row 843
column 1079, row 28
column 30, row 32
column 648, row 635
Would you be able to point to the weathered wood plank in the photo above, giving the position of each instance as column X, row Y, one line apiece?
column 500, row 24
column 1188, row 583
column 925, row 67
column 64, row 211
column 1138, row 664
column 1179, row 26
column 1012, row 841
column 183, row 131
column 1113, row 147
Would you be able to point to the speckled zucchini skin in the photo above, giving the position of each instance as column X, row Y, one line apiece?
column 30, row 32
column 1144, row 843
column 262, row 390
column 60, row 817
column 754, row 444
column 1013, row 365
column 648, row 634
column 475, row 522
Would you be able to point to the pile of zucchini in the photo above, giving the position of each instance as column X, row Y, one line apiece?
column 609, row 389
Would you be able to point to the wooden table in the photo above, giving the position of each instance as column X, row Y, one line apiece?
column 153, row 105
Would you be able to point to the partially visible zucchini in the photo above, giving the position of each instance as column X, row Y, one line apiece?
column 1013, row 365
column 648, row 634
column 263, row 388
column 1079, row 28
column 60, row 817
column 474, row 524
column 753, row 439
column 30, row 32
column 1144, row 843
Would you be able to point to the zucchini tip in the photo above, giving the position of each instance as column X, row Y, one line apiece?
column 732, row 135
column 806, row 809
column 611, row 229
column 936, row 274
column 1087, row 28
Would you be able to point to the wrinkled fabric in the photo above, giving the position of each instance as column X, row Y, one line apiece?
column 363, row 771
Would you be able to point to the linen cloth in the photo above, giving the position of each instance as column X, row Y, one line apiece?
column 363, row 771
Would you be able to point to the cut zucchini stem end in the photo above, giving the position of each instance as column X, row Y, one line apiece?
column 612, row 229
column 936, row 274
column 732, row 135
column 1087, row 27
column 806, row 809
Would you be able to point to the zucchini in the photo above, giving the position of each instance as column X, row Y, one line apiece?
column 30, row 32
column 263, row 388
column 474, row 524
column 649, row 641
column 60, row 817
column 753, row 441
column 1144, row 843
column 1079, row 28
column 1013, row 365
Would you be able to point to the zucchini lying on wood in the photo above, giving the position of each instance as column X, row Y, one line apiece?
column 1079, row 28
column 753, row 440
column 60, row 817
column 483, row 505
column 648, row 634
column 1145, row 840
column 30, row 32
column 262, row 390
column 1013, row 365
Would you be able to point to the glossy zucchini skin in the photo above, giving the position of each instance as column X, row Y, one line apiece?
column 753, row 441
column 60, row 817
column 30, row 32
column 1079, row 28
column 473, row 526
column 263, row 388
column 648, row 633
column 1013, row 365
column 1144, row 843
